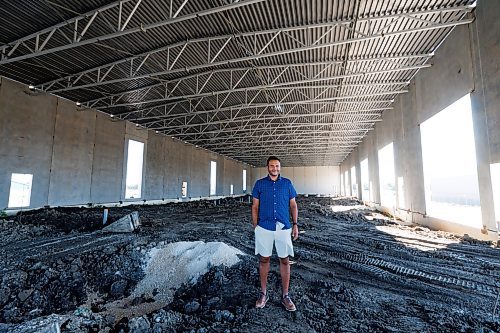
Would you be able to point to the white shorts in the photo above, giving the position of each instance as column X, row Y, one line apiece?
column 265, row 239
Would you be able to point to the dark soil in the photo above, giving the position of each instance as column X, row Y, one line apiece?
column 354, row 271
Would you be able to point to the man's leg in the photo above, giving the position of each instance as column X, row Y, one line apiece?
column 285, row 274
column 285, row 283
column 263, row 272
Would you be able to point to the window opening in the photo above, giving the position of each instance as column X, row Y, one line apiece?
column 133, row 182
column 20, row 190
column 347, row 187
column 244, row 181
column 387, row 176
column 342, row 191
column 365, row 181
column 449, row 163
column 184, row 189
column 213, row 177
column 354, row 182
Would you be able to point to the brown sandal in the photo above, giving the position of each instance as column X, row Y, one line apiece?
column 288, row 304
column 262, row 300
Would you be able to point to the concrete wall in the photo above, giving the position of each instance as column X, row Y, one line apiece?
column 107, row 168
column 156, row 162
column 467, row 62
column 27, row 125
column 323, row 180
column 79, row 156
column 73, row 145
column 233, row 175
column 199, row 182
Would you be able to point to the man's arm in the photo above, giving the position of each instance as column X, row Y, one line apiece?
column 255, row 212
column 295, row 215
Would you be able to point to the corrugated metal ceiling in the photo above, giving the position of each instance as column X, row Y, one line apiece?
column 307, row 79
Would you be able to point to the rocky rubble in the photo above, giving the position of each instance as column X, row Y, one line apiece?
column 10, row 231
column 37, row 288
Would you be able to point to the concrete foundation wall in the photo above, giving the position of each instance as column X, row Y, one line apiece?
column 467, row 62
column 324, row 180
column 79, row 156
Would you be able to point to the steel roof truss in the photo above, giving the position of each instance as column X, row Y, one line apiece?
column 10, row 48
column 148, row 120
column 268, row 33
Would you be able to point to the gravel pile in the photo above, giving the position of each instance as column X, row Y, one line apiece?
column 179, row 263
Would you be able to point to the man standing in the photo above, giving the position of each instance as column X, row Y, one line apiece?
column 273, row 200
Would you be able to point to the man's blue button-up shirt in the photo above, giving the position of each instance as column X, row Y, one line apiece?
column 274, row 201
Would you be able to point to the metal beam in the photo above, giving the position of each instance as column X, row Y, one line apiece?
column 288, row 144
column 248, row 129
column 217, row 141
column 265, row 133
column 8, row 49
column 358, row 127
column 242, row 122
column 277, row 86
column 114, row 98
column 283, row 153
column 124, row 115
column 205, row 41
column 256, row 121
column 193, row 115
column 280, row 151
column 306, row 134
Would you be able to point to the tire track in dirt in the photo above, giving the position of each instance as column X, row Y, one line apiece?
column 406, row 277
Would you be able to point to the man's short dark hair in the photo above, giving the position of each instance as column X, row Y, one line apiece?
column 272, row 158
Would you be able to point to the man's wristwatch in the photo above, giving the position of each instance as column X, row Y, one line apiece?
column 294, row 223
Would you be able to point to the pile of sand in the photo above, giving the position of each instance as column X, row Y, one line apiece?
column 183, row 262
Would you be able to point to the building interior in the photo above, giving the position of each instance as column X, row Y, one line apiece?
column 160, row 116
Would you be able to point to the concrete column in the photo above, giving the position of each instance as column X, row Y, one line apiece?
column 373, row 166
column 485, row 99
column 412, row 163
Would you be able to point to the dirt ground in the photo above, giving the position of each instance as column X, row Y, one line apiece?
column 354, row 270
